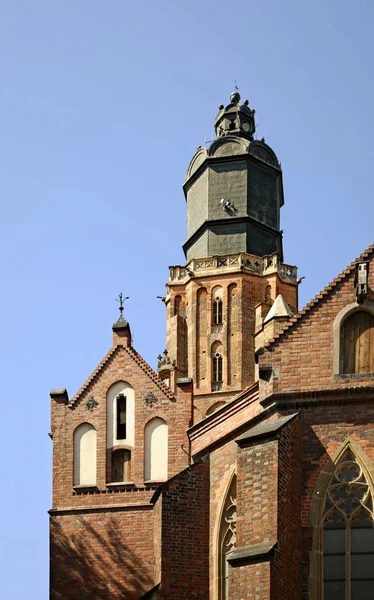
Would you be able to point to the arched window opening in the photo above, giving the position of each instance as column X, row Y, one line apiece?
column 217, row 305
column 226, row 539
column 156, row 450
column 357, row 343
column 85, row 455
column 121, row 466
column 120, row 415
column 348, row 534
column 217, row 311
column 217, row 371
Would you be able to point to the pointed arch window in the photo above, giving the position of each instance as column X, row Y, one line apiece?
column 217, row 305
column 348, row 533
column 226, row 539
column 217, row 311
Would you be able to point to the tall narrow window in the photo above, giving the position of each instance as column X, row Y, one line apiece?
column 226, row 540
column 121, row 466
column 121, row 417
column 348, row 534
column 217, row 368
column 217, row 311
column 357, row 343
column 217, row 305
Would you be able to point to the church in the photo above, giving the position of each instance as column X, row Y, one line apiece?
column 244, row 467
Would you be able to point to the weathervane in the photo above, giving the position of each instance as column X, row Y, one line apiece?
column 121, row 301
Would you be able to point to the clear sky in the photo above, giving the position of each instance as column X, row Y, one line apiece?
column 102, row 106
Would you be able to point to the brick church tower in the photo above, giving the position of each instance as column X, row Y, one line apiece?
column 243, row 468
column 218, row 301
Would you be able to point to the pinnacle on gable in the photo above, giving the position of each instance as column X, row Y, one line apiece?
column 280, row 309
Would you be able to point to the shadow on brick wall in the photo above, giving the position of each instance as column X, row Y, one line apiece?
column 95, row 563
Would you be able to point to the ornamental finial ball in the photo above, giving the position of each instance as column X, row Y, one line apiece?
column 235, row 97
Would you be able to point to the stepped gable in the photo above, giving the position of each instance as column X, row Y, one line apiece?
column 106, row 361
column 290, row 325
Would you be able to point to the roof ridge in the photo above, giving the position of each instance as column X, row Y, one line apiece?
column 94, row 374
column 322, row 294
column 140, row 361
column 149, row 371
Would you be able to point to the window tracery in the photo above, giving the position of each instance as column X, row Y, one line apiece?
column 348, row 534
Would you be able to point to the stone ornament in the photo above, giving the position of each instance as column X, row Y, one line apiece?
column 91, row 404
column 150, row 399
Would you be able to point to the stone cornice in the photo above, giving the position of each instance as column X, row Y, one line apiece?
column 305, row 399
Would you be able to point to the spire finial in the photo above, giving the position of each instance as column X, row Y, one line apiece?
column 235, row 96
column 121, row 301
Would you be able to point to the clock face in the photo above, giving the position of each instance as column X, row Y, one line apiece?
column 246, row 127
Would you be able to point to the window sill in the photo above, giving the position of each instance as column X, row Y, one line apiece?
column 85, row 489
column 154, row 481
column 117, row 484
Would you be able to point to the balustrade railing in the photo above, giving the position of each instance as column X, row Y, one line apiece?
column 247, row 262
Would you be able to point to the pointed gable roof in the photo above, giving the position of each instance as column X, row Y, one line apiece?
column 291, row 324
column 107, row 360
column 280, row 308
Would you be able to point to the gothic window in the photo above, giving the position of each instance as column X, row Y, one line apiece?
column 121, row 417
column 217, row 311
column 357, row 343
column 85, row 455
column 121, row 463
column 156, row 450
column 348, row 534
column 217, row 305
column 217, row 368
column 226, row 539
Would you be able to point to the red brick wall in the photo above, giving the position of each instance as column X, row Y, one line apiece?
column 177, row 412
column 104, row 540
column 303, row 355
column 100, row 555
column 222, row 465
column 185, row 535
column 286, row 571
column 241, row 293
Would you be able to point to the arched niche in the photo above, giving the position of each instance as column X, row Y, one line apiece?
column 120, row 415
column 339, row 333
column 85, row 455
column 224, row 539
column 156, row 450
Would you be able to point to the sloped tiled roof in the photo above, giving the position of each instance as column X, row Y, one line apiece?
column 106, row 360
column 325, row 292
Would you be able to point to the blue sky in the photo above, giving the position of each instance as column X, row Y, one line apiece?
column 102, row 106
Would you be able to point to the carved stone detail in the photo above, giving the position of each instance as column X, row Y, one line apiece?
column 91, row 404
column 150, row 399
